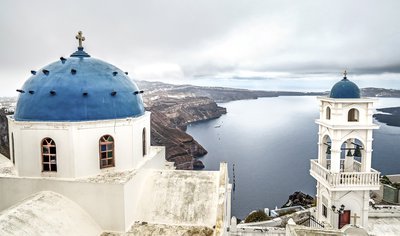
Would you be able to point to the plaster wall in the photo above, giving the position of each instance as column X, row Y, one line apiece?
column 177, row 197
column 340, row 109
column 111, row 204
column 77, row 145
column 27, row 147
column 133, row 189
column 355, row 201
column 103, row 202
column 31, row 217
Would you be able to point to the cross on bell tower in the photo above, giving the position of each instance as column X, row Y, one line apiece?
column 80, row 38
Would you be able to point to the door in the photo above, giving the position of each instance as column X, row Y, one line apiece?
column 344, row 218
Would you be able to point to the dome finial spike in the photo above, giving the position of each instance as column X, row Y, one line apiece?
column 80, row 38
column 345, row 73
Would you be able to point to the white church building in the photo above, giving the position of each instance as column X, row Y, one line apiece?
column 81, row 162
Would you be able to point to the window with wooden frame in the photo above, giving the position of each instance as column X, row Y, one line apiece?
column 106, row 151
column 49, row 155
column 144, row 151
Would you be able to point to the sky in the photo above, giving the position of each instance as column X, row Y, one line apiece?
column 186, row 40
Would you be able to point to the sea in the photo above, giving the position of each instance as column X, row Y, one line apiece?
column 269, row 143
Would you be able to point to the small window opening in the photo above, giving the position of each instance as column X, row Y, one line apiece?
column 106, row 150
column 144, row 142
column 328, row 113
column 324, row 211
column 49, row 155
column 12, row 148
column 353, row 115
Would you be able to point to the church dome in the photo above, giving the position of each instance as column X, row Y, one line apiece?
column 78, row 88
column 345, row 89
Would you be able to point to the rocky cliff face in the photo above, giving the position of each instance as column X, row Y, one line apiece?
column 389, row 116
column 168, row 124
column 4, row 143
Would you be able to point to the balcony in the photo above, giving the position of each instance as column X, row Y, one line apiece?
column 345, row 181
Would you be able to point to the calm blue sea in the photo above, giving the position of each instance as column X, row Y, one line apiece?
column 271, row 142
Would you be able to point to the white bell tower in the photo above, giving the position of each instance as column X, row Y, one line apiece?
column 343, row 168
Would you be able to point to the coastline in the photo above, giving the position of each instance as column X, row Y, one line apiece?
column 390, row 116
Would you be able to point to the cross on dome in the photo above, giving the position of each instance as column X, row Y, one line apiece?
column 80, row 38
column 345, row 73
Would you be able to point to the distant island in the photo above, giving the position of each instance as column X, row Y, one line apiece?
column 174, row 107
column 390, row 116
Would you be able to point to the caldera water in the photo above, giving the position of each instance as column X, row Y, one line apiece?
column 271, row 141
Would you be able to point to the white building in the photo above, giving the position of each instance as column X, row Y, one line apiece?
column 343, row 168
column 82, row 164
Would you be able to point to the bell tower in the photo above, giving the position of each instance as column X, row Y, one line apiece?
column 343, row 168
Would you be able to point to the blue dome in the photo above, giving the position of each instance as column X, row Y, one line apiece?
column 78, row 88
column 345, row 89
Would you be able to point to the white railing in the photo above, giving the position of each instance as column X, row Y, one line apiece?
column 344, row 179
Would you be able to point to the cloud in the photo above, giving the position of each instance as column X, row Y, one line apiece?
column 159, row 72
column 203, row 37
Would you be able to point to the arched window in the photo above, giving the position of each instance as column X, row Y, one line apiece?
column 328, row 113
column 353, row 115
column 49, row 155
column 106, row 150
column 144, row 142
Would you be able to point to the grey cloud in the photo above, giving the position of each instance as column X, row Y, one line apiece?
column 203, row 37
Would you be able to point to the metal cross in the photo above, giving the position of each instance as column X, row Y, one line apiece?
column 355, row 218
column 80, row 38
column 344, row 73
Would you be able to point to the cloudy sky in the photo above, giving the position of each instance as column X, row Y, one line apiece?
column 192, row 39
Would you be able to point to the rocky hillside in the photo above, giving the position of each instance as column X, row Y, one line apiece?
column 218, row 94
column 168, row 124
column 389, row 116
column 380, row 92
column 4, row 144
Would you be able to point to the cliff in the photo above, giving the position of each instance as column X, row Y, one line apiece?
column 168, row 124
column 389, row 116
column 4, row 143
column 218, row 94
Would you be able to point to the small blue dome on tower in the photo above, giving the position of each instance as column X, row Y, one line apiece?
column 78, row 88
column 345, row 89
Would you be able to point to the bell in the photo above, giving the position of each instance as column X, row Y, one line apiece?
column 357, row 152
column 328, row 150
column 349, row 154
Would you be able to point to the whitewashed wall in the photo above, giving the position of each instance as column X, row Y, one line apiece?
column 111, row 205
column 78, row 145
